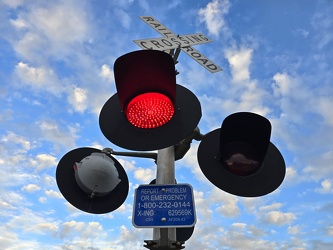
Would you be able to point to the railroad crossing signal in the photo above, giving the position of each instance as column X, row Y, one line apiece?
column 149, row 111
column 172, row 41
column 92, row 180
column 239, row 157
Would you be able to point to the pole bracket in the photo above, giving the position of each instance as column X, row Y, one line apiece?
column 155, row 245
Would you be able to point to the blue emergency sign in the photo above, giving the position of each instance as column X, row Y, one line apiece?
column 170, row 205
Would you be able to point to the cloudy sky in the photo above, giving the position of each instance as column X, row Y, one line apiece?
column 56, row 73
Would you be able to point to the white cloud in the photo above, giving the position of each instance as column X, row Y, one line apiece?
column 31, row 188
column 13, row 3
column 51, row 30
column 329, row 230
column 122, row 208
column 42, row 79
column 14, row 139
column 43, row 161
column 107, row 73
column 292, row 176
column 278, row 218
column 201, row 205
column 227, row 203
column 97, row 99
column 77, row 97
column 298, row 100
column 130, row 238
column 238, row 236
column 10, row 178
column 33, row 222
column 294, row 229
column 251, row 205
column 60, row 23
column 213, row 15
column 52, row 132
column 54, row 194
column 323, row 107
column 51, row 33
column 48, row 180
column 239, row 226
column 18, row 23
column 85, row 230
column 240, row 61
column 14, row 159
column 127, row 165
column 13, row 199
column 314, row 172
column 42, row 199
column 253, row 99
column 5, row 205
column 326, row 187
column 246, row 93
column 273, row 206
column 8, row 238
column 48, row 227
column 256, row 232
column 73, row 210
column 283, row 84
column 39, row 79
column 190, row 161
column 145, row 175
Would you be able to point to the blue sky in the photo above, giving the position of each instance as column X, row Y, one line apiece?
column 56, row 73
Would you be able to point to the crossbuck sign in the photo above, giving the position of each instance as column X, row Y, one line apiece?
column 172, row 41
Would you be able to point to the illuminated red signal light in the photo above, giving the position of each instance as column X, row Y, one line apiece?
column 149, row 110
column 146, row 87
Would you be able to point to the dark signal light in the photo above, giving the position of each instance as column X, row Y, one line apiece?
column 239, row 157
column 92, row 181
column 244, row 142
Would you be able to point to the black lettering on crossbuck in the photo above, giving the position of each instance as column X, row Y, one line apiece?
column 173, row 41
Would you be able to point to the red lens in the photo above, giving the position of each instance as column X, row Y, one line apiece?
column 149, row 110
column 240, row 158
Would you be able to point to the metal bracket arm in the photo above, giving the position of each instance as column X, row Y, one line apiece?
column 183, row 146
column 150, row 155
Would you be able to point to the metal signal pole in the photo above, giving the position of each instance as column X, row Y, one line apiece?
column 165, row 174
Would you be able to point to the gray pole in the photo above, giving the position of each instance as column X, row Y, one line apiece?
column 165, row 174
